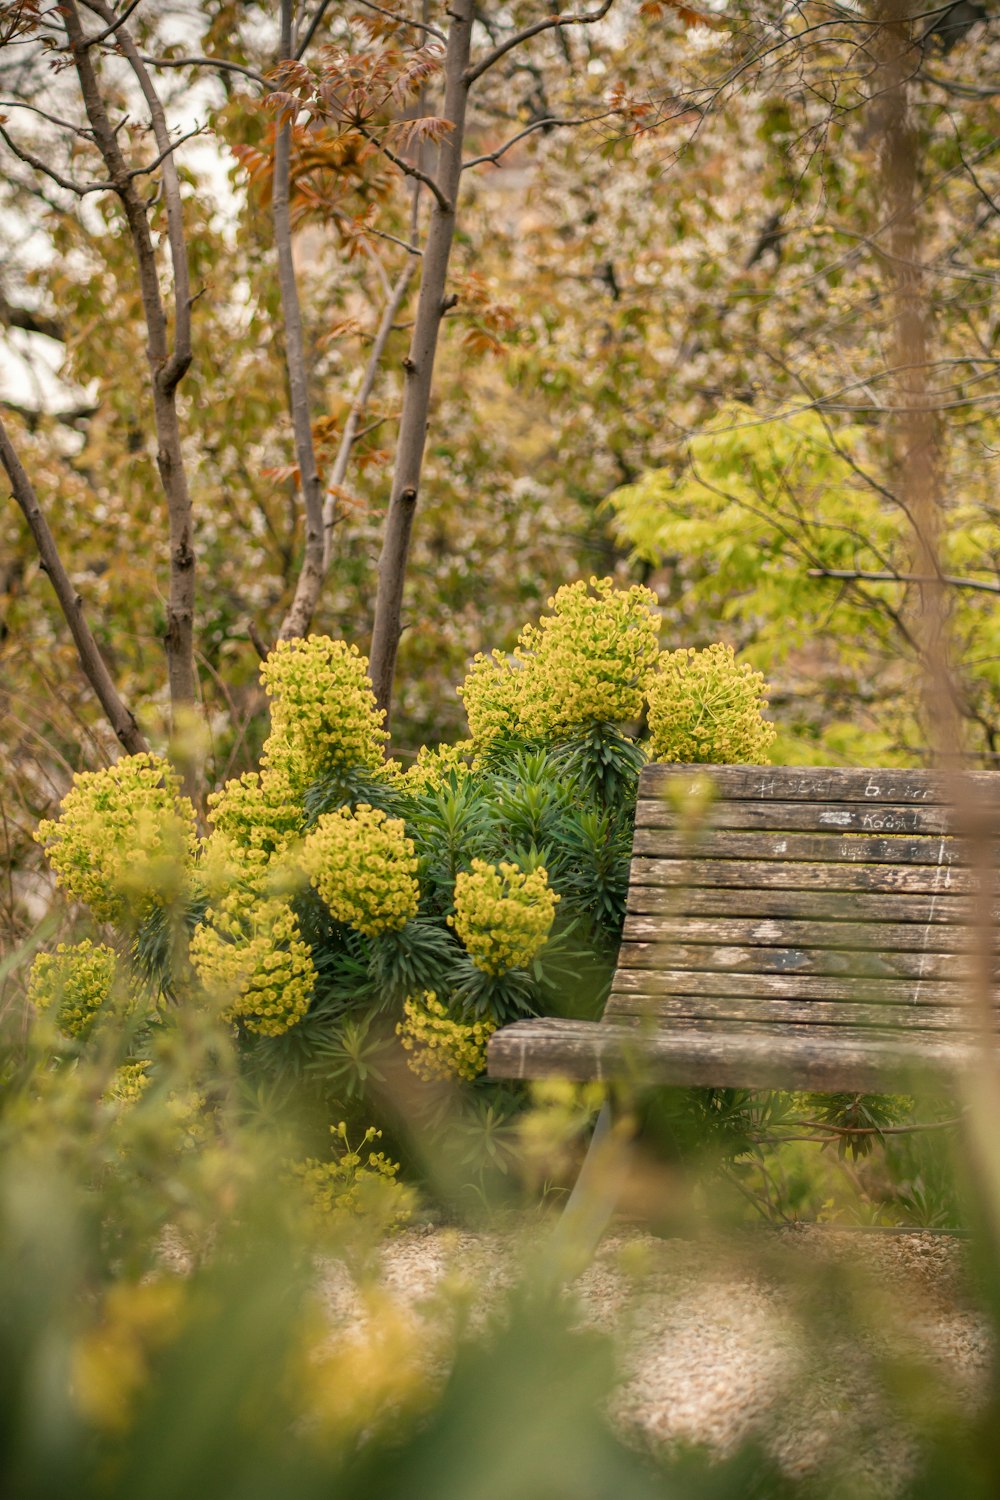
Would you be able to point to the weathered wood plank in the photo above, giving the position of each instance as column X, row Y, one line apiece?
column 807, row 817
column 909, row 992
column 775, row 875
column 772, row 932
column 813, row 930
column 737, row 958
column 820, row 783
column 822, row 848
column 903, row 1019
column 678, row 902
column 832, row 1058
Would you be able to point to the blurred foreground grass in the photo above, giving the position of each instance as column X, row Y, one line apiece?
column 163, row 1332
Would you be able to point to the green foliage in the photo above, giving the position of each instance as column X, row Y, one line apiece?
column 753, row 513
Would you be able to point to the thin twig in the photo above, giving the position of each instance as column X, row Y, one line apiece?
column 424, row 26
column 583, row 18
column 92, row 41
column 208, row 62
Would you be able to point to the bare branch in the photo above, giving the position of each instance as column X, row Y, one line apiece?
column 310, row 580
column 180, row 358
column 208, row 62
column 548, row 123
column 94, row 666
column 424, row 25
column 92, row 41
column 77, row 130
column 582, row 18
column 313, row 27
column 890, row 577
column 30, row 321
column 168, row 150
column 78, row 189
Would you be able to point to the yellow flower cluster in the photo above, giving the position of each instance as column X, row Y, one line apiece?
column 255, row 819
column 323, row 711
column 587, row 662
column 351, row 1182
column 502, row 915
column 433, row 765
column 112, row 1361
column 75, row 982
column 249, row 955
column 706, row 707
column 125, row 838
column 491, row 694
column 440, row 1046
column 129, row 1083
column 364, row 867
column 590, row 659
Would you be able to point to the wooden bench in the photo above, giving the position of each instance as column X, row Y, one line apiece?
column 812, row 930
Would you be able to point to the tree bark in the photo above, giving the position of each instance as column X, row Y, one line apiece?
column 419, row 364
column 92, row 661
column 167, row 366
column 310, row 580
column 915, row 422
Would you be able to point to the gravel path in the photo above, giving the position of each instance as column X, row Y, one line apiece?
column 775, row 1334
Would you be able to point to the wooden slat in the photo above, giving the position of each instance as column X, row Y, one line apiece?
column 772, row 932
column 813, row 929
column 714, row 1056
column 819, row 783
column 904, row 1019
column 806, row 817
column 773, row 874
column 737, row 958
column 862, row 906
column 822, row 848
column 652, row 982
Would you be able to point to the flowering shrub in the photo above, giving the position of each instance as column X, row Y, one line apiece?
column 364, row 867
column 440, row 1046
column 323, row 711
column 250, row 957
column 704, row 706
column 344, row 913
column 75, row 982
column 125, row 838
column 502, row 915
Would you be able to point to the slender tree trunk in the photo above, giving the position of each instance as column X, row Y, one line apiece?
column 358, row 406
column 915, row 424
column 419, row 364
column 94, row 666
column 310, row 580
column 167, row 367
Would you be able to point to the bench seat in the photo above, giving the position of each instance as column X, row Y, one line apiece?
column 804, row 929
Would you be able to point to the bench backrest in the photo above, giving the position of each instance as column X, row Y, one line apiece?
column 799, row 896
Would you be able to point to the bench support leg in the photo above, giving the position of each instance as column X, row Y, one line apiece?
column 594, row 1197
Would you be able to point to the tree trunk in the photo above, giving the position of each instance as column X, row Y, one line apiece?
column 310, row 580
column 166, row 368
column 419, row 364
column 915, row 422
